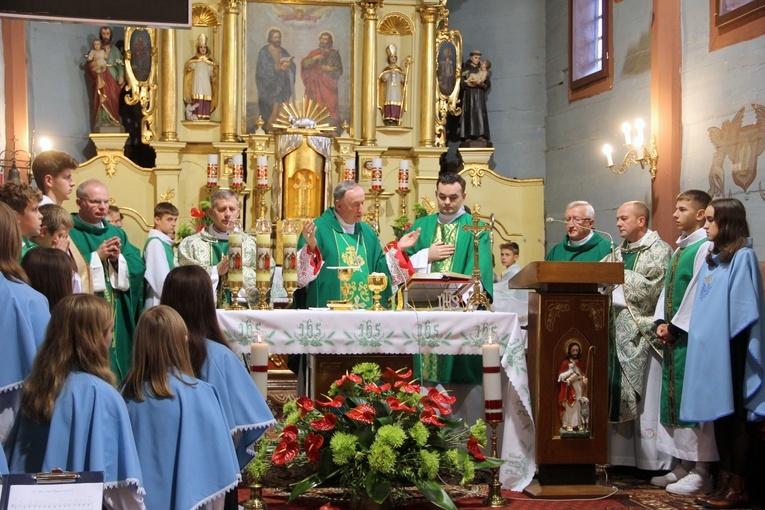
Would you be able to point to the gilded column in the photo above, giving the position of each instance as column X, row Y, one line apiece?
column 168, row 86
column 228, row 73
column 368, row 74
column 429, row 15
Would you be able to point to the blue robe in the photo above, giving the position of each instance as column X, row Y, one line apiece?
column 3, row 463
column 729, row 302
column 244, row 407
column 24, row 314
column 184, row 445
column 89, row 431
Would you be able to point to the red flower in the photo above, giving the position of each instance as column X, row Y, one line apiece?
column 312, row 445
column 373, row 388
column 348, row 377
column 197, row 213
column 328, row 422
column 396, row 405
column 200, row 228
column 438, row 399
column 407, row 226
column 392, row 375
column 290, row 433
column 474, row 447
column 429, row 416
column 363, row 413
column 305, row 404
column 285, row 452
column 336, row 402
column 328, row 506
column 407, row 387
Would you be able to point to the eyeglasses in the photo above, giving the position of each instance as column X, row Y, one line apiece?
column 576, row 220
column 93, row 201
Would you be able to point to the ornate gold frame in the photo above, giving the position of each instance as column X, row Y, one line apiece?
column 143, row 92
column 447, row 104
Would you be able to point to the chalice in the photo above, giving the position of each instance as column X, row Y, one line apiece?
column 377, row 282
column 344, row 275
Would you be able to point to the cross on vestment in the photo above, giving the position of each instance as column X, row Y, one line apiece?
column 478, row 297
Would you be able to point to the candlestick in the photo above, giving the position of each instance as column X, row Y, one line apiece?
column 377, row 175
column 494, row 497
column 350, row 170
column 403, row 193
column 262, row 168
column 627, row 129
column 212, row 170
column 492, row 380
column 289, row 260
column 403, row 174
column 259, row 364
column 263, row 262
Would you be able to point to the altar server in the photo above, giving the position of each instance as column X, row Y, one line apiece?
column 178, row 422
column 187, row 289
column 73, row 416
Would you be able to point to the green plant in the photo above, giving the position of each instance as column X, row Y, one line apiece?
column 402, row 223
column 198, row 221
column 378, row 433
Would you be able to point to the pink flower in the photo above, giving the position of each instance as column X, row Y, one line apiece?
column 328, row 422
column 363, row 413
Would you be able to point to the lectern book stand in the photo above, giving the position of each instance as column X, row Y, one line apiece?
column 568, row 310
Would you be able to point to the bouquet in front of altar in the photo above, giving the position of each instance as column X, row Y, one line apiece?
column 376, row 433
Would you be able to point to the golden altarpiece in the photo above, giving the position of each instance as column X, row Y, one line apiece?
column 303, row 129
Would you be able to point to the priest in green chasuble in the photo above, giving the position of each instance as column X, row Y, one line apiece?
column 116, row 267
column 581, row 244
column 209, row 247
column 339, row 238
column 444, row 246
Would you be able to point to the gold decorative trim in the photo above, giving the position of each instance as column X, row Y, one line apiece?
column 553, row 311
column 111, row 161
column 447, row 104
column 476, row 174
column 168, row 195
column 204, row 15
column 428, row 204
column 596, row 311
column 143, row 92
column 145, row 225
column 485, row 171
column 395, row 24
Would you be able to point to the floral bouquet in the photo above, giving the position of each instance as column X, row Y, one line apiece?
column 402, row 223
column 199, row 220
column 377, row 433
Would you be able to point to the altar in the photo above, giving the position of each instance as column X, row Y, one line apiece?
column 406, row 332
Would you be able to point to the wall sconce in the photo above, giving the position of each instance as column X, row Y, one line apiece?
column 639, row 151
column 11, row 164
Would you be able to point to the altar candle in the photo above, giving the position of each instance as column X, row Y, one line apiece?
column 237, row 173
column 492, row 381
column 377, row 173
column 350, row 170
column 212, row 170
column 259, row 365
column 235, row 257
column 403, row 174
column 262, row 167
column 609, row 159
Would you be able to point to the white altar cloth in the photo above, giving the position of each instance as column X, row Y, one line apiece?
column 405, row 332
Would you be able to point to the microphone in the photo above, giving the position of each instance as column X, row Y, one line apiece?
column 550, row 219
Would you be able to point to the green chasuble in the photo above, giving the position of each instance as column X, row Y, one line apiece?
column 594, row 250
column 126, row 304
column 467, row 369
column 341, row 249
column 679, row 277
column 26, row 245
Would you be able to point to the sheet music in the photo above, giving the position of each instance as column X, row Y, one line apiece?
column 56, row 496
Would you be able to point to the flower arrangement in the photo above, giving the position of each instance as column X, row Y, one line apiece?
column 199, row 220
column 376, row 433
column 402, row 223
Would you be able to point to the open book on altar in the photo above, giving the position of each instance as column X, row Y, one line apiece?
column 437, row 290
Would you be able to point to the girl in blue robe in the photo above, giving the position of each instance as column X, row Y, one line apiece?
column 726, row 349
column 73, row 416
column 23, row 317
column 182, row 437
column 247, row 413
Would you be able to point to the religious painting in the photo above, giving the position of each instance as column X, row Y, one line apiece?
column 448, row 69
column 295, row 51
column 140, row 50
column 141, row 76
column 728, row 11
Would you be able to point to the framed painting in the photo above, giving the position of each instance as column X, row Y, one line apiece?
column 448, row 70
column 295, row 50
column 729, row 11
column 141, row 75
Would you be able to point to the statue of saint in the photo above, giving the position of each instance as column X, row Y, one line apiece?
column 572, row 385
column 200, row 83
column 391, row 90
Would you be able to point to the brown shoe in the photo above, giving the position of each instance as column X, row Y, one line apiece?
column 723, row 478
column 735, row 497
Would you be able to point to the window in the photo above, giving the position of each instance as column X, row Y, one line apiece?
column 733, row 21
column 590, row 48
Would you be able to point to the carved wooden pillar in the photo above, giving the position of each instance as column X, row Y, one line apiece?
column 368, row 74
column 168, row 87
column 429, row 15
column 228, row 73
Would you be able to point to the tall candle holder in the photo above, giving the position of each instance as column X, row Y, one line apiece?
column 289, row 263
column 376, row 193
column 494, row 497
column 403, row 193
column 234, row 278
column 263, row 263
column 256, row 501
column 492, row 395
column 262, row 184
column 212, row 173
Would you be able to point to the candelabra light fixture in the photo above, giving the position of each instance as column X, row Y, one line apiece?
column 639, row 151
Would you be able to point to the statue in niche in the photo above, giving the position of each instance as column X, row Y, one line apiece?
column 104, row 68
column 391, row 93
column 574, row 406
column 200, row 83
column 474, row 121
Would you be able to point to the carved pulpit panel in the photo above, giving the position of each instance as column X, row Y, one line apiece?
column 303, row 182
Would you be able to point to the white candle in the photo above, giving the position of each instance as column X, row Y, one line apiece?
column 263, row 240
column 259, row 365
column 289, row 239
column 212, row 169
column 626, row 129
column 262, row 168
column 403, row 174
column 639, row 128
column 350, row 170
column 607, row 152
column 492, row 381
column 377, row 173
